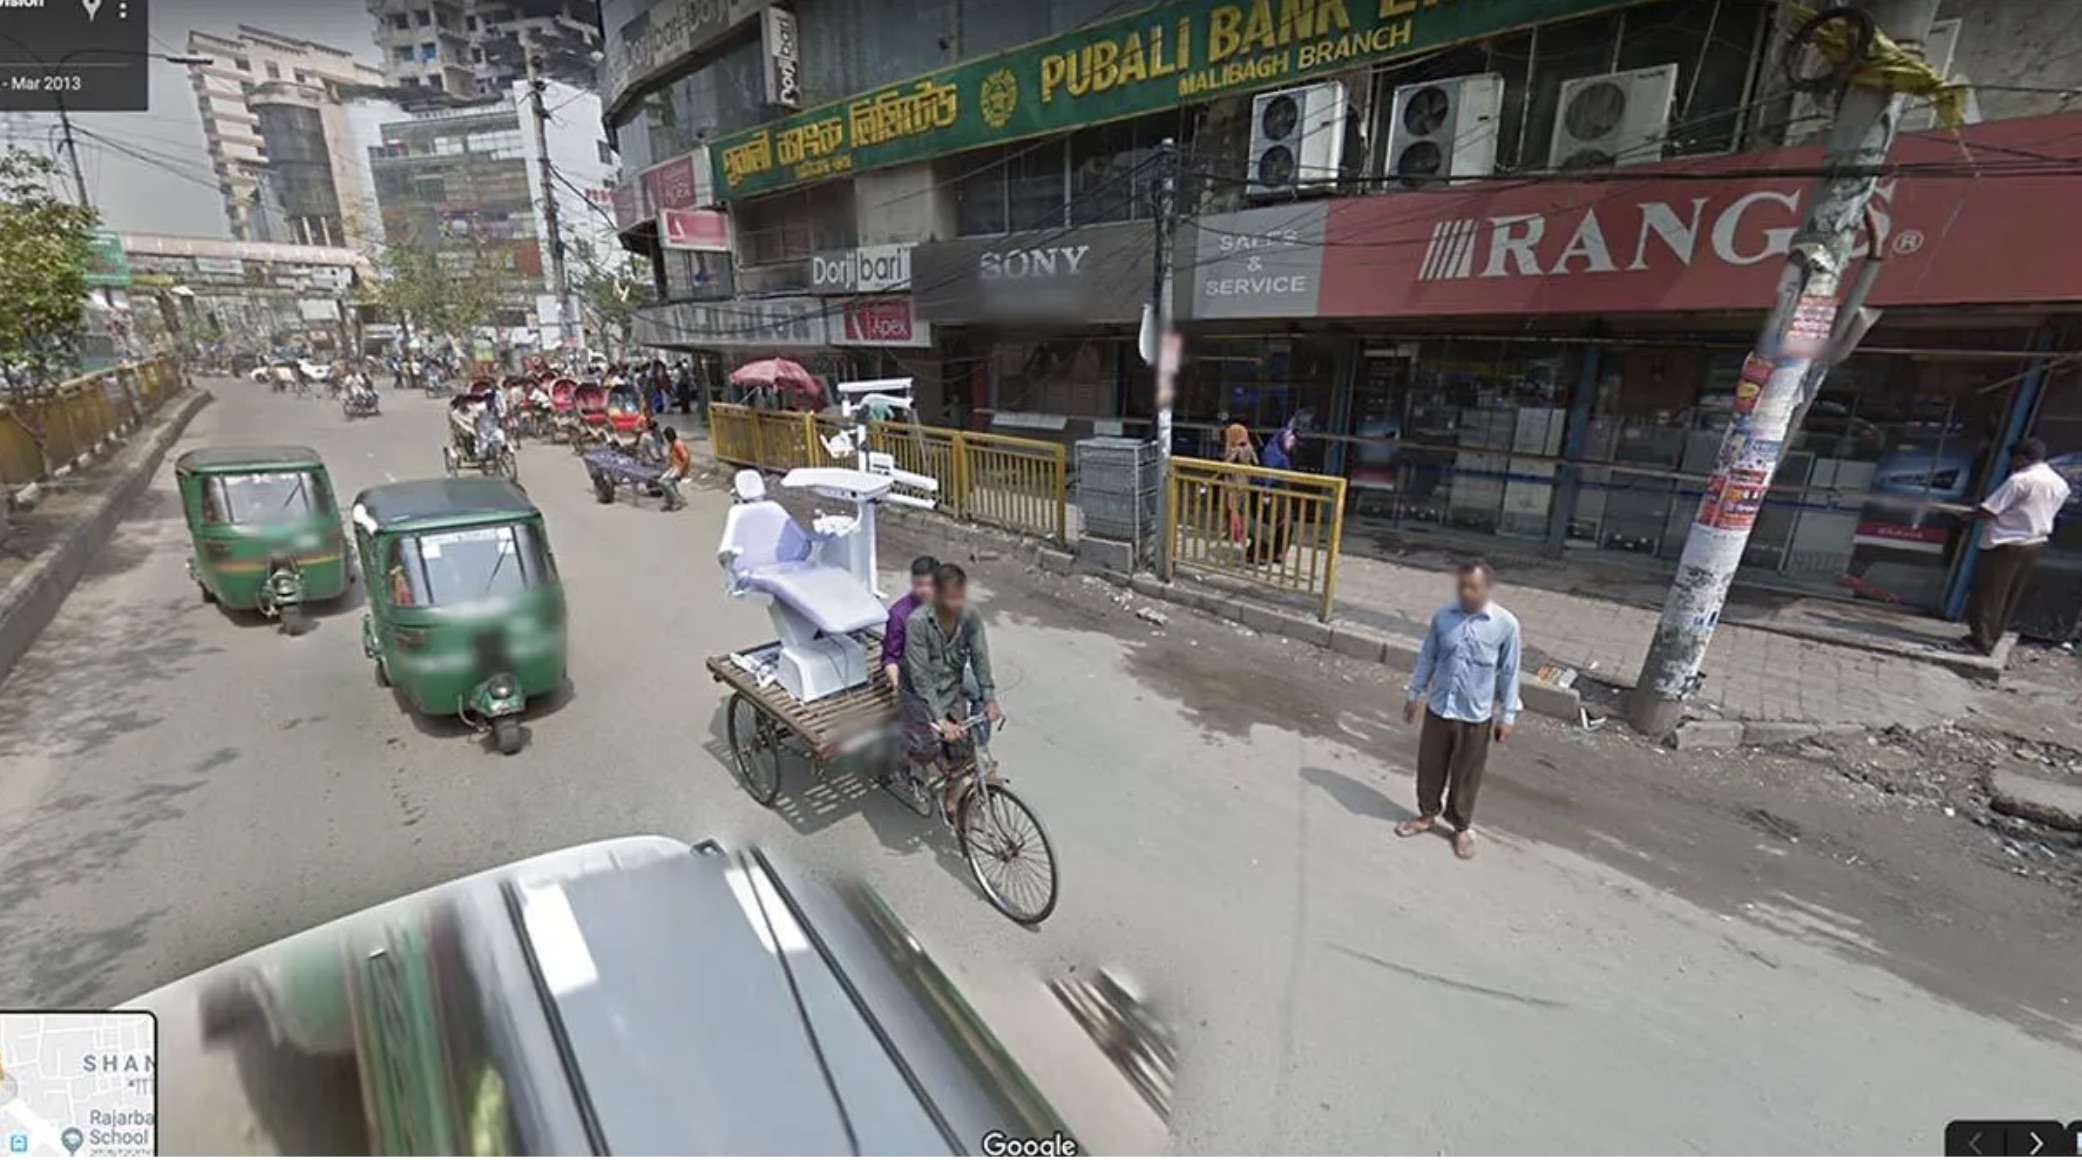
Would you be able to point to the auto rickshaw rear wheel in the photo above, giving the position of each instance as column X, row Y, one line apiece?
column 506, row 734
column 382, row 675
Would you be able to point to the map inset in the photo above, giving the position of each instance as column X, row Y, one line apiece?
column 78, row 1083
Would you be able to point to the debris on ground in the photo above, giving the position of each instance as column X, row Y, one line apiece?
column 1152, row 615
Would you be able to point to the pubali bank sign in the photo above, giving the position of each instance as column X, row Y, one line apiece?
column 1168, row 54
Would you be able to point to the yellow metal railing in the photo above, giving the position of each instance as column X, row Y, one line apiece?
column 1018, row 484
column 42, row 431
column 1268, row 528
column 733, row 435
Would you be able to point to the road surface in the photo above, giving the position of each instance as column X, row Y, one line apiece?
column 1636, row 962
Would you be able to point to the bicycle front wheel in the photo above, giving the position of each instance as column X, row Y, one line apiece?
column 1008, row 853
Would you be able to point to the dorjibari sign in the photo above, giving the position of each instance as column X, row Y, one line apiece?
column 1174, row 53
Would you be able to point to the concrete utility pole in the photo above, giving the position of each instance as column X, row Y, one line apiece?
column 1794, row 350
column 1164, row 345
column 550, row 218
column 72, row 153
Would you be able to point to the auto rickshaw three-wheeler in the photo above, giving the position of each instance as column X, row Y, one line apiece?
column 465, row 611
column 265, row 527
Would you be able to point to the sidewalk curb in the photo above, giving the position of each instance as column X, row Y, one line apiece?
column 32, row 600
column 1342, row 637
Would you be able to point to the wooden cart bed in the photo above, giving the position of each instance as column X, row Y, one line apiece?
column 828, row 724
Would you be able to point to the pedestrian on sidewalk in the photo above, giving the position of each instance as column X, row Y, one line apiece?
column 1466, row 686
column 2016, row 520
column 1238, row 451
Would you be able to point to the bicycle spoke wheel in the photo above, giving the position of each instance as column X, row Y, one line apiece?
column 756, row 745
column 1009, row 854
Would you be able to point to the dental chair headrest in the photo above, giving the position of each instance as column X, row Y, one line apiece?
column 749, row 486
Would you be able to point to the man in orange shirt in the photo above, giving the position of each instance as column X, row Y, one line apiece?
column 678, row 462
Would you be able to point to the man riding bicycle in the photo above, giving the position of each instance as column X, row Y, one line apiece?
column 943, row 640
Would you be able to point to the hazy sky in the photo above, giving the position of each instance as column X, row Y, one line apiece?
column 178, row 195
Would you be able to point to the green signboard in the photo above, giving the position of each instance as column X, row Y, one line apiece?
column 1181, row 52
column 107, row 264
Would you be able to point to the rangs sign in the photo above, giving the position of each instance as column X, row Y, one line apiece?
column 861, row 270
column 1260, row 263
column 889, row 321
column 646, row 38
column 1086, row 274
column 1688, row 242
column 1173, row 53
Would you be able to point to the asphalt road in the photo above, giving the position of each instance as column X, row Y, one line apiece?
column 1623, row 969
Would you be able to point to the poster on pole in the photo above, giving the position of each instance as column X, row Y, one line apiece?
column 1170, row 352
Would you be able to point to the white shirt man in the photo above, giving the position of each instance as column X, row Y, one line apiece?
column 2016, row 519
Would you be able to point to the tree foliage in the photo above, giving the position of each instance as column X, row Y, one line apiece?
column 46, row 247
column 444, row 292
column 608, row 284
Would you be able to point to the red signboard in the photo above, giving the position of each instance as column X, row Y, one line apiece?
column 882, row 322
column 671, row 185
column 1673, row 237
column 694, row 229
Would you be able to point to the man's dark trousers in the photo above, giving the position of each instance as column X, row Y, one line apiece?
column 2000, row 578
column 1450, row 758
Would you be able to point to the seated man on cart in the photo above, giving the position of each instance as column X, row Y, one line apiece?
column 943, row 641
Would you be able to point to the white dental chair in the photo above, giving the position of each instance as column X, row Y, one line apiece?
column 816, row 606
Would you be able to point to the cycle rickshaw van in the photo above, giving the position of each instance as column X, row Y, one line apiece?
column 265, row 529
column 465, row 611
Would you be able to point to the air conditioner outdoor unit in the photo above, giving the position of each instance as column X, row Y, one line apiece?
column 1615, row 119
column 1297, row 138
column 1443, row 130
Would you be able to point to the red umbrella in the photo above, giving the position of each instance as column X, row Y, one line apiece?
column 783, row 373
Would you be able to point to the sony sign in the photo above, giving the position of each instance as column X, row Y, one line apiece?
column 1755, row 227
column 1042, row 262
column 863, row 270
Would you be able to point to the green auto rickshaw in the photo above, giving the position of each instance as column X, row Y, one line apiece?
column 465, row 613
column 266, row 529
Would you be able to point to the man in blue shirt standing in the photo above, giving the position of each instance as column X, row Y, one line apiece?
column 1466, row 685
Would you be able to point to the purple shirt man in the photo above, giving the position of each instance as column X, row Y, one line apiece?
column 900, row 615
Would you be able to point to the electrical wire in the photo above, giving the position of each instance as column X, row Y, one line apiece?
column 156, row 162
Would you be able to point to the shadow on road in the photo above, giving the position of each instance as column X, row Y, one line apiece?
column 1356, row 796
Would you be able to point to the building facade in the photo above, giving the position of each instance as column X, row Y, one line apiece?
column 467, row 183
column 1383, row 232
column 274, row 115
column 473, row 48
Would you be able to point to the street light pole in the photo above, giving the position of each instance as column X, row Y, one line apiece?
column 1792, row 354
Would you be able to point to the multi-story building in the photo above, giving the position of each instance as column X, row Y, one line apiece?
column 1504, row 259
column 274, row 115
column 467, row 183
column 473, row 48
